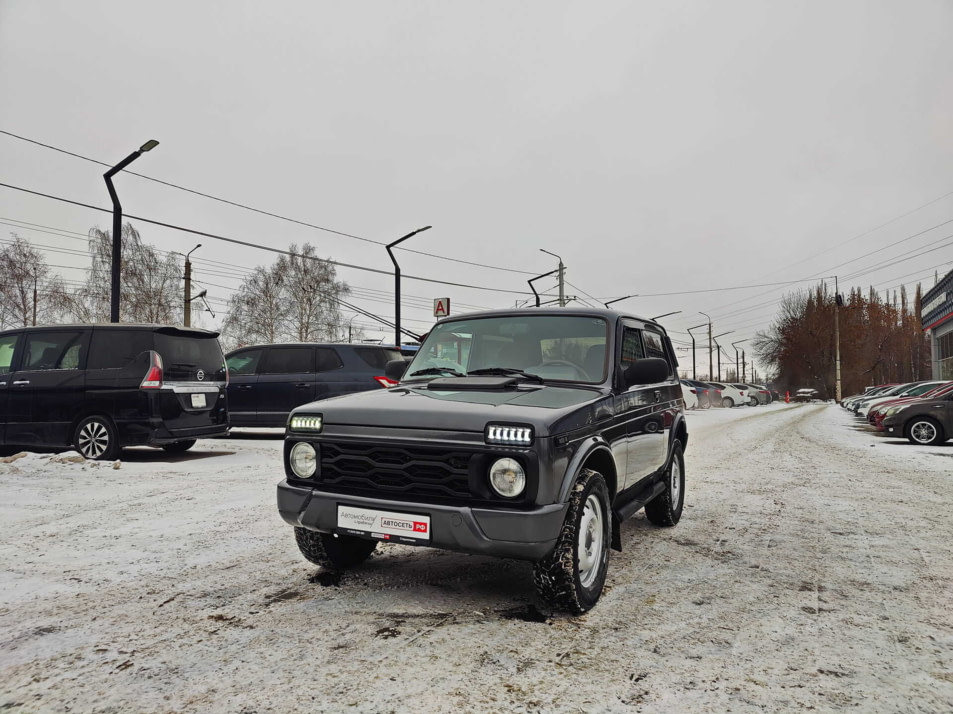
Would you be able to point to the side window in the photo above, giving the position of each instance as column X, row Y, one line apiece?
column 376, row 357
column 116, row 349
column 631, row 347
column 328, row 359
column 653, row 345
column 54, row 350
column 7, row 344
column 288, row 360
column 244, row 362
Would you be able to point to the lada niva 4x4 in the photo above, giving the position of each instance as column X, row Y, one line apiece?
column 526, row 434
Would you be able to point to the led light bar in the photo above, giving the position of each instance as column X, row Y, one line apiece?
column 509, row 435
column 304, row 422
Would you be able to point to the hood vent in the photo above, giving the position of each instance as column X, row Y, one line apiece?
column 454, row 384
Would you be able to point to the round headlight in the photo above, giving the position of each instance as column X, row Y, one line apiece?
column 507, row 478
column 303, row 459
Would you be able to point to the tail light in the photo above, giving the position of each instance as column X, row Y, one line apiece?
column 153, row 378
column 693, row 391
column 386, row 382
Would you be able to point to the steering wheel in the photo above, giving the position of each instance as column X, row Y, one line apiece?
column 564, row 363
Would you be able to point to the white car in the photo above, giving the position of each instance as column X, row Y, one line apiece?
column 689, row 395
column 731, row 396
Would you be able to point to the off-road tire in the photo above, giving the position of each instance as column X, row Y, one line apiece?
column 666, row 508
column 557, row 577
column 925, row 431
column 333, row 551
column 95, row 437
column 727, row 402
column 177, row 447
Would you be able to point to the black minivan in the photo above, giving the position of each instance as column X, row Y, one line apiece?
column 98, row 388
column 267, row 381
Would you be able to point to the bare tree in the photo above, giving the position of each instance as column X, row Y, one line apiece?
column 29, row 293
column 149, row 282
column 293, row 300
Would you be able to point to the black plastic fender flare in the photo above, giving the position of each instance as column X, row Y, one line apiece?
column 589, row 447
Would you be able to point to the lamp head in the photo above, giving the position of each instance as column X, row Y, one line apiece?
column 149, row 145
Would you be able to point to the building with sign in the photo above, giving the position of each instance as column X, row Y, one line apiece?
column 936, row 316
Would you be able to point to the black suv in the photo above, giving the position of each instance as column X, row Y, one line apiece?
column 267, row 381
column 101, row 387
column 526, row 434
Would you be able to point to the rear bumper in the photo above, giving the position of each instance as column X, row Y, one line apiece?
column 526, row 535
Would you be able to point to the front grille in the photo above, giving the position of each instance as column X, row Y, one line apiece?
column 398, row 471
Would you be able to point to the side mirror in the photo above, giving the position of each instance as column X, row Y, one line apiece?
column 649, row 370
column 395, row 369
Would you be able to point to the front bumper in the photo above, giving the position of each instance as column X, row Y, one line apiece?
column 526, row 535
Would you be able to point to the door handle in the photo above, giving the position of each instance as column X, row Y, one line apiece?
column 21, row 381
column 302, row 385
column 658, row 396
column 3, row 384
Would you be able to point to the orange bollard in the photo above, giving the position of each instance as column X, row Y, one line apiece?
column 787, row 397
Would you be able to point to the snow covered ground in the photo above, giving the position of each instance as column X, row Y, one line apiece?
column 812, row 569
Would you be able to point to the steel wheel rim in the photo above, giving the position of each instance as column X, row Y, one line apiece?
column 675, row 484
column 590, row 543
column 93, row 440
column 923, row 432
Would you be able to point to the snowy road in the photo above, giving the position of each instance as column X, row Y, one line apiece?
column 812, row 569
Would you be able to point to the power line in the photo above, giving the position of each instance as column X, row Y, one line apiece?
column 261, row 211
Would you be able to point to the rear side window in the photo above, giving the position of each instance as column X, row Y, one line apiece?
column 244, row 362
column 377, row 357
column 653, row 345
column 328, row 359
column 288, row 360
column 115, row 349
column 54, row 350
column 7, row 344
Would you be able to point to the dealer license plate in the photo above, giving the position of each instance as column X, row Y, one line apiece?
column 384, row 525
column 198, row 401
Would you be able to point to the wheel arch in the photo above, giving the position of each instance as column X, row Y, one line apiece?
column 593, row 454
column 679, row 433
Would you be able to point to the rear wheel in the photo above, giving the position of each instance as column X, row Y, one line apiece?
column 573, row 575
column 753, row 401
column 333, row 551
column 925, row 431
column 95, row 438
column 727, row 402
column 666, row 508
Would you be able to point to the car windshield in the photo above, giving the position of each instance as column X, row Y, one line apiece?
column 569, row 348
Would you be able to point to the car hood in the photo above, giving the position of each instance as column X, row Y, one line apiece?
column 549, row 409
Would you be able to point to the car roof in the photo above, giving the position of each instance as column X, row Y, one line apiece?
column 553, row 311
column 155, row 327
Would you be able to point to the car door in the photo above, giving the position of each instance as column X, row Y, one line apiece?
column 644, row 427
column 8, row 344
column 243, row 392
column 332, row 379
column 285, row 381
column 49, row 386
column 666, row 394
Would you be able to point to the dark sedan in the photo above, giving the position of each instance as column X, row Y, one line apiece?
column 924, row 421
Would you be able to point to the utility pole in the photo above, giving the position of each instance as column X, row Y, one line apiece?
column 711, row 366
column 187, row 312
column 837, row 304
column 562, row 278
column 694, row 372
column 34, row 296
column 743, row 367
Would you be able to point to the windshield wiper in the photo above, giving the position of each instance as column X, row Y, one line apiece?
column 436, row 370
column 506, row 371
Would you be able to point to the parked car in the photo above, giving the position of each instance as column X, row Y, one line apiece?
column 702, row 391
column 731, row 396
column 690, row 395
column 913, row 389
column 877, row 414
column 922, row 421
column 851, row 401
column 554, row 427
column 98, row 388
column 268, row 381
column 805, row 395
column 754, row 394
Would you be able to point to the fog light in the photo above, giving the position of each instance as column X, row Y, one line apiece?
column 304, row 460
column 507, row 478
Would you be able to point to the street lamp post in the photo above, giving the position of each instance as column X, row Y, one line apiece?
column 618, row 299
column 397, row 281
column 187, row 321
column 715, row 339
column 737, row 371
column 694, row 373
column 562, row 287
column 117, row 225
column 711, row 368
column 659, row 317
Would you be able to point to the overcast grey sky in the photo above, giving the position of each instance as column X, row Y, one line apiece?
column 657, row 147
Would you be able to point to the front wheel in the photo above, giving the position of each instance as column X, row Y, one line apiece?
column 177, row 447
column 95, row 438
column 333, row 551
column 573, row 575
column 925, row 431
column 666, row 508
